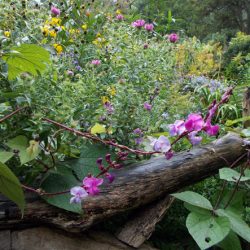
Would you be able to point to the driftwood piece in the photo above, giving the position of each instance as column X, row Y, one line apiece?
column 139, row 228
column 134, row 186
column 246, row 107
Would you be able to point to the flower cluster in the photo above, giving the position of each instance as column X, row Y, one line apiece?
column 141, row 23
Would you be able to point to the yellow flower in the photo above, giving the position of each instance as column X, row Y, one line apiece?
column 104, row 99
column 118, row 12
column 52, row 33
column 111, row 91
column 58, row 48
column 7, row 33
column 84, row 27
column 55, row 21
column 98, row 129
column 45, row 30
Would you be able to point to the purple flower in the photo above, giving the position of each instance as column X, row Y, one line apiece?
column 137, row 131
column 145, row 46
column 149, row 27
column 110, row 177
column 173, row 38
column 169, row 154
column 138, row 23
column 147, row 106
column 78, row 194
column 210, row 129
column 120, row 17
column 194, row 122
column 91, row 184
column 70, row 73
column 96, row 62
column 161, row 144
column 78, row 67
column 55, row 11
column 194, row 139
column 109, row 107
column 138, row 140
column 177, row 128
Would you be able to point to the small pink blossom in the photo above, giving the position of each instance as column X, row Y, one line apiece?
column 96, row 62
column 194, row 122
column 138, row 23
column 194, row 139
column 161, row 144
column 169, row 154
column 120, row 17
column 91, row 185
column 147, row 106
column 78, row 194
column 149, row 27
column 55, row 11
column 210, row 129
column 110, row 177
column 177, row 128
column 173, row 38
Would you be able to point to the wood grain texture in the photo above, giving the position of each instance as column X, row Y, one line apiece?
column 134, row 186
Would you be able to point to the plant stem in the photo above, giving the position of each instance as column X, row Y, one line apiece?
column 11, row 114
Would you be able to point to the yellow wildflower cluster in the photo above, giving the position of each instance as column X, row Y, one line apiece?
column 99, row 41
column 58, row 48
column 52, row 26
column 111, row 91
column 7, row 33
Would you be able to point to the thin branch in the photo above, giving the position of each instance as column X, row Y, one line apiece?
column 11, row 114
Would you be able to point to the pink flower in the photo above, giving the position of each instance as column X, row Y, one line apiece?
column 161, row 144
column 210, row 129
column 177, row 128
column 173, row 38
column 110, row 177
column 147, row 106
column 120, row 17
column 194, row 122
column 138, row 23
column 96, row 62
column 194, row 139
column 78, row 194
column 70, row 73
column 169, row 154
column 55, row 11
column 149, row 26
column 91, row 184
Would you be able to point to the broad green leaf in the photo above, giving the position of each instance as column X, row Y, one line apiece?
column 232, row 122
column 194, row 199
column 229, row 174
column 195, row 209
column 98, row 129
column 11, row 187
column 86, row 164
column 5, row 156
column 28, row 151
column 29, row 58
column 207, row 230
column 245, row 132
column 237, row 224
column 58, row 182
column 231, row 242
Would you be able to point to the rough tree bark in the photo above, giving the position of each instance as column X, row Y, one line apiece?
column 134, row 186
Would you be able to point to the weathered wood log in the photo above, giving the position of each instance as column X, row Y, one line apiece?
column 140, row 227
column 134, row 186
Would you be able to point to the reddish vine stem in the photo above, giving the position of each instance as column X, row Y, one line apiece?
column 11, row 114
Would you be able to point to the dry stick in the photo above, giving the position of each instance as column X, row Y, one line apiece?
column 11, row 114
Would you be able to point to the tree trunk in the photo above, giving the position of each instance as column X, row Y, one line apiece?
column 134, row 186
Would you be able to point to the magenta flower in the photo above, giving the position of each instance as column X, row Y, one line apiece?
column 149, row 27
column 145, row 46
column 96, row 62
column 91, row 185
column 194, row 139
column 210, row 129
column 161, row 144
column 110, row 177
column 70, row 73
column 177, row 128
column 173, row 38
column 147, row 106
column 194, row 122
column 120, row 17
column 55, row 11
column 78, row 194
column 169, row 154
column 138, row 23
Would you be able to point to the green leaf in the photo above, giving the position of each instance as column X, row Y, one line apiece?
column 237, row 224
column 28, row 151
column 29, row 58
column 245, row 132
column 233, row 122
column 5, row 156
column 11, row 187
column 229, row 174
column 87, row 162
column 207, row 230
column 231, row 242
column 59, row 182
column 197, row 210
column 194, row 199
